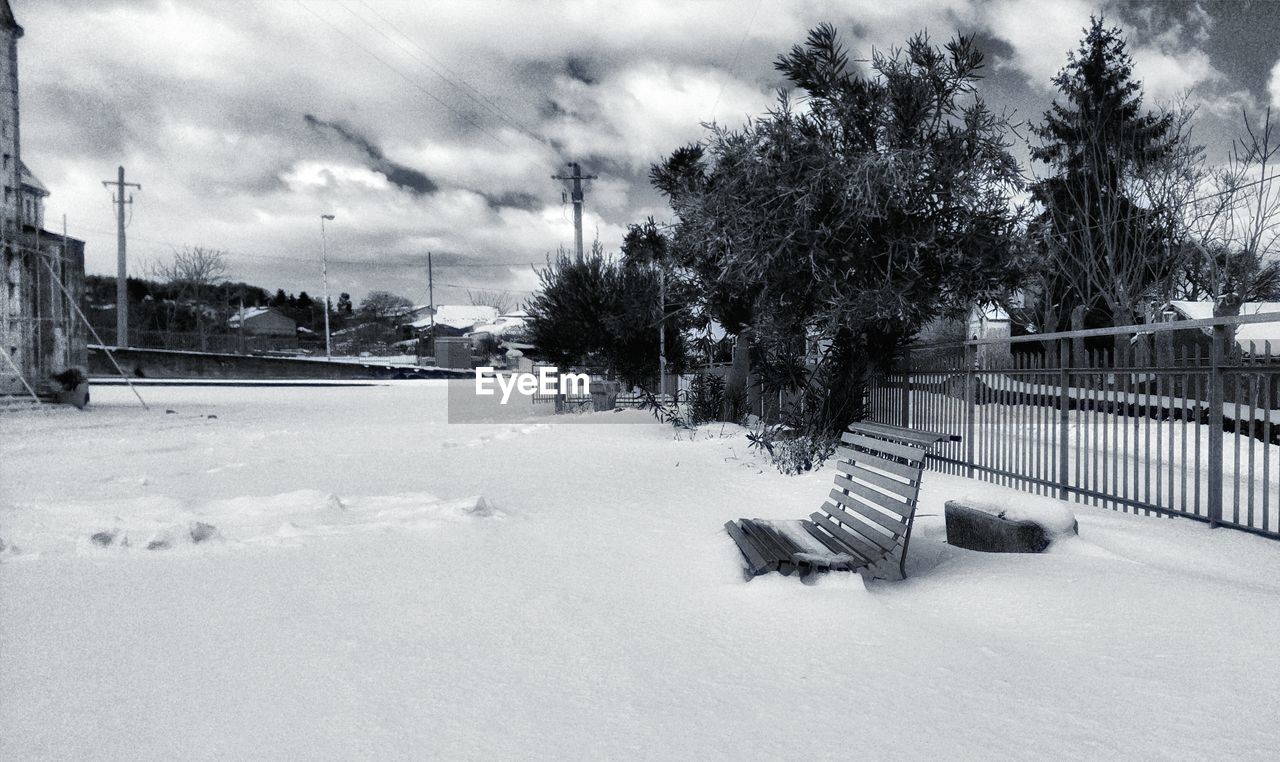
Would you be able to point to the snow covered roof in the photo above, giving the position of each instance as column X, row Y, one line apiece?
column 1252, row 337
column 502, row 325
column 249, row 314
column 460, row 316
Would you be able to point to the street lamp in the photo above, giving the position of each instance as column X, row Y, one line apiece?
column 324, row 273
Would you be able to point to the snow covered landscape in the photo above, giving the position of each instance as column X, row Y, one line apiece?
column 340, row 573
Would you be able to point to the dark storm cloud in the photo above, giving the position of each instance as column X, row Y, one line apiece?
column 515, row 200
column 406, row 177
column 580, row 69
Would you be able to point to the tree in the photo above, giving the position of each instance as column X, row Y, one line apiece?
column 194, row 274
column 851, row 224
column 344, row 304
column 502, row 301
column 603, row 313
column 1235, row 228
column 1121, row 177
column 384, row 306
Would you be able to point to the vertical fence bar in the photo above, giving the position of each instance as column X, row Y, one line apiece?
column 1266, row 446
column 1253, row 416
column 1064, row 414
column 905, row 413
column 1182, row 458
column 1160, row 414
column 1235, row 447
column 1215, row 411
column 970, row 401
column 1201, row 391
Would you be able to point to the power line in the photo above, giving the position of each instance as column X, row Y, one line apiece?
column 401, row 74
column 489, row 287
column 736, row 55
column 293, row 258
column 480, row 99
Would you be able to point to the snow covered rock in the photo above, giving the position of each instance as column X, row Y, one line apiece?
column 201, row 532
column 995, row 527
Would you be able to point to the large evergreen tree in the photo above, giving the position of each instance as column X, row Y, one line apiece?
column 1109, row 226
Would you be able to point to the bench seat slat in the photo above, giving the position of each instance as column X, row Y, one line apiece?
column 855, row 542
column 906, row 490
column 910, row 452
column 832, row 544
column 770, row 548
column 755, row 561
column 888, row 522
column 872, row 460
column 886, row 502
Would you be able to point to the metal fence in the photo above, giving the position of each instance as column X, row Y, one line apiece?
column 1176, row 419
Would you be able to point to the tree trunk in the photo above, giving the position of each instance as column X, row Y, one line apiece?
column 1079, row 357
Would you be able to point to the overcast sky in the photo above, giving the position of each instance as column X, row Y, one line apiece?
column 435, row 126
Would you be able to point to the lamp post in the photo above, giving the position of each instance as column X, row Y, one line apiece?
column 324, row 273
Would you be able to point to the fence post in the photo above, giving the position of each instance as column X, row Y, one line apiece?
column 906, row 389
column 970, row 406
column 1216, row 361
column 1064, row 416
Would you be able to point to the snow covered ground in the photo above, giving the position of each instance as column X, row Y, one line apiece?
column 370, row 581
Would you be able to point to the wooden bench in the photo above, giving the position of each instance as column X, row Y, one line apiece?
column 864, row 526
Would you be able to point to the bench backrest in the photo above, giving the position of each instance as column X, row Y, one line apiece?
column 871, row 509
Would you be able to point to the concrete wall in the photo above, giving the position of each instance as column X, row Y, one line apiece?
column 163, row 363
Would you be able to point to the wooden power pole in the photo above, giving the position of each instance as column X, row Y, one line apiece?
column 122, row 270
column 576, row 196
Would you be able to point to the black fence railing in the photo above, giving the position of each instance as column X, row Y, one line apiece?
column 1169, row 419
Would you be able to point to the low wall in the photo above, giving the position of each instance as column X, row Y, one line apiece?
column 166, row 363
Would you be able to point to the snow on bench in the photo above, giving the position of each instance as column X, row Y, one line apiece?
column 864, row 526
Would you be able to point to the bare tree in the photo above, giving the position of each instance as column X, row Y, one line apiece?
column 502, row 301
column 194, row 274
column 1235, row 228
column 1115, row 244
column 384, row 306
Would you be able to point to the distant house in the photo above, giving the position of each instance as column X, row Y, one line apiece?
column 417, row 312
column 510, row 324
column 1252, row 338
column 264, row 321
column 455, row 319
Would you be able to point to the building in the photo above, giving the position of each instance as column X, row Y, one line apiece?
column 42, row 334
column 265, row 329
column 454, row 319
column 264, row 321
column 1253, row 339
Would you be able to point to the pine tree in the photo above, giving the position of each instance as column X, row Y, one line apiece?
column 1108, row 220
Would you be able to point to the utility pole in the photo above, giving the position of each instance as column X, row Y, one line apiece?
column 662, row 334
column 431, row 305
column 324, row 274
column 122, row 274
column 576, row 195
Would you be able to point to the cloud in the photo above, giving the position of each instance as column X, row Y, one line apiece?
column 438, row 130
column 1273, row 85
column 406, row 177
column 1039, row 34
